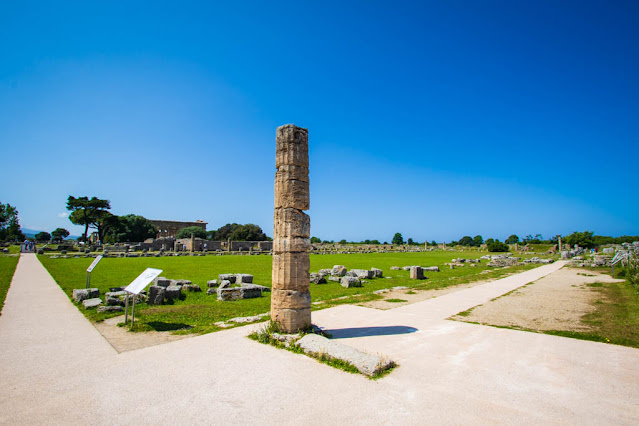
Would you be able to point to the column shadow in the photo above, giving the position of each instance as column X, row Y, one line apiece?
column 344, row 333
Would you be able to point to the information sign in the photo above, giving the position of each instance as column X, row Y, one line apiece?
column 95, row 262
column 138, row 284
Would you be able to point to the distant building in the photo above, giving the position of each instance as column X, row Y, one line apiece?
column 170, row 228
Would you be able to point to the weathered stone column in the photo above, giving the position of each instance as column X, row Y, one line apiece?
column 290, row 295
column 559, row 244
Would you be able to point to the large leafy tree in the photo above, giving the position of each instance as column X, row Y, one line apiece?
column 513, row 239
column 398, row 239
column 478, row 240
column 237, row 232
column 9, row 224
column 583, row 239
column 60, row 234
column 195, row 230
column 135, row 228
column 465, row 241
column 87, row 212
column 42, row 236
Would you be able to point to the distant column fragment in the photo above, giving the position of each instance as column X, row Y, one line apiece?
column 290, row 296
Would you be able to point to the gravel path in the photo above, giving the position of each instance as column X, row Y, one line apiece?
column 555, row 302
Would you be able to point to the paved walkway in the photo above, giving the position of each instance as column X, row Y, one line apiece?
column 55, row 368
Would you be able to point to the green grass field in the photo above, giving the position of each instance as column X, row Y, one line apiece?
column 7, row 268
column 199, row 311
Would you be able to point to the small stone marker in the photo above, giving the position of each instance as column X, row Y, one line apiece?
column 416, row 273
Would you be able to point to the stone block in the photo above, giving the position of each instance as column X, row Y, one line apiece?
column 250, row 291
column 362, row 273
column 339, row 271
column 290, row 299
column 366, row 364
column 431, row 268
column 113, row 301
column 193, row 288
column 225, row 284
column 110, row 309
column 395, row 268
column 292, row 146
column 162, row 282
column 317, row 278
column 229, row 293
column 377, row 273
column 290, row 271
column 212, row 284
column 173, row 292
column 91, row 303
column 292, row 188
column 291, row 245
column 292, row 319
column 156, row 295
column 416, row 273
column 211, row 291
column 348, row 282
column 291, row 223
column 226, row 277
column 80, row 294
column 335, row 279
column 243, row 279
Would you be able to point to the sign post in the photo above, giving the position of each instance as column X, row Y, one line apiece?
column 136, row 286
column 90, row 269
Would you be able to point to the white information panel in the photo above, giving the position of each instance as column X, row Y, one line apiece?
column 95, row 262
column 138, row 284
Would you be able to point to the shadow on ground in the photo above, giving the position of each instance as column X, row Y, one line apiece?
column 343, row 333
column 167, row 326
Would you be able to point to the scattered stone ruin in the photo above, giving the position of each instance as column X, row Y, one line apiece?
column 170, row 228
column 291, row 297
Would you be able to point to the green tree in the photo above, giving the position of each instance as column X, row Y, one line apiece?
column 60, row 234
column 497, row 246
column 42, row 236
column 342, row 241
column 583, row 239
column 315, row 240
column 9, row 224
column 478, row 240
column 136, row 228
column 513, row 239
column 87, row 212
column 397, row 239
column 433, row 243
column 195, row 230
column 410, row 242
column 237, row 232
column 465, row 241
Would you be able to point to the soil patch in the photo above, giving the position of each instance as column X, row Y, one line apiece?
column 555, row 302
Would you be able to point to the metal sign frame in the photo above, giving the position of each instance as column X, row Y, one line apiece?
column 136, row 286
column 90, row 269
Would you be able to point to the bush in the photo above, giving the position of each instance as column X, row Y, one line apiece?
column 497, row 246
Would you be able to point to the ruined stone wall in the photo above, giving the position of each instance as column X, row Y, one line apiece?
column 170, row 228
column 290, row 296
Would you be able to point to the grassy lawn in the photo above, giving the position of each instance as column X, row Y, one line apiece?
column 200, row 311
column 7, row 268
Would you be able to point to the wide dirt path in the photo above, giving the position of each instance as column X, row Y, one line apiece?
column 56, row 368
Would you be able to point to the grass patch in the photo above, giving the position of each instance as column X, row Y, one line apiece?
column 200, row 311
column 395, row 300
column 411, row 292
column 7, row 268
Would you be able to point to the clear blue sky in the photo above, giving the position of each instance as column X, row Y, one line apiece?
column 435, row 119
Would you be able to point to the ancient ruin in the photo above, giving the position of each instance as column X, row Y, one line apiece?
column 290, row 297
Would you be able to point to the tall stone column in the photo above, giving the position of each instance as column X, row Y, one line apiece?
column 290, row 295
column 559, row 244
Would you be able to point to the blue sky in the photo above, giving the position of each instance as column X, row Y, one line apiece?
column 433, row 119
